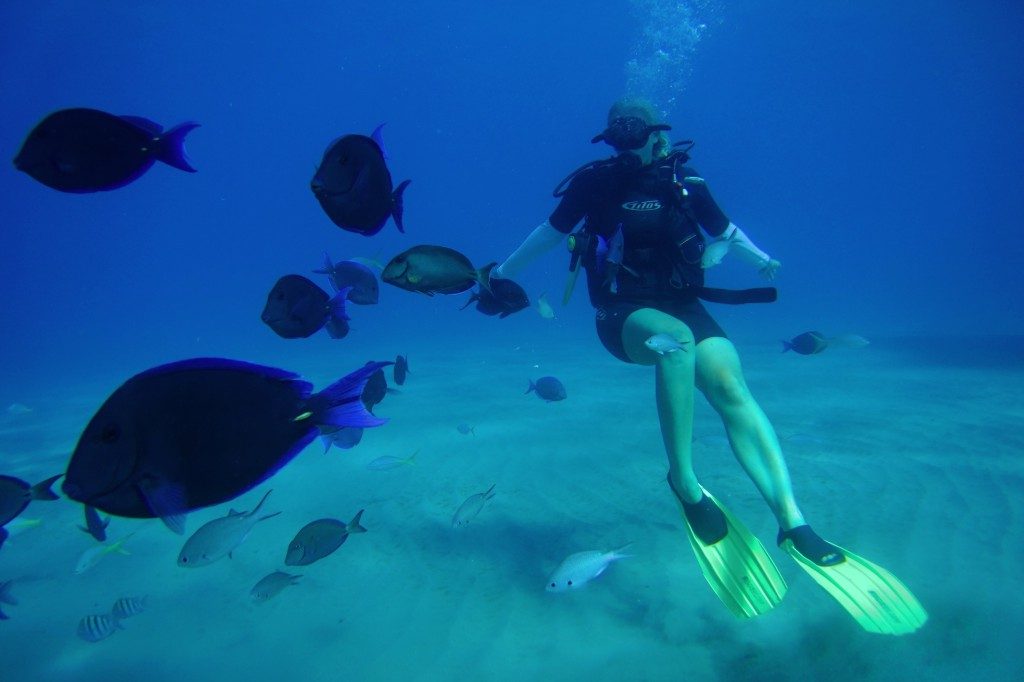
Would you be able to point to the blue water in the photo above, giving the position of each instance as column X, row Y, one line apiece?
column 873, row 148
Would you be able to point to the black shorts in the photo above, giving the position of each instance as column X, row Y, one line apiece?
column 611, row 317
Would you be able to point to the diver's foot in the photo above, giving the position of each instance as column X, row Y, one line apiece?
column 704, row 517
column 812, row 546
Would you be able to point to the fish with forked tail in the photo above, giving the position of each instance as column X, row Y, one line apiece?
column 220, row 537
column 168, row 440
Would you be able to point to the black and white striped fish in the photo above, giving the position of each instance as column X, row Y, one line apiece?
column 98, row 627
column 126, row 607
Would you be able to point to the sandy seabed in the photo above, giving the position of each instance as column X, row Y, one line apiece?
column 908, row 452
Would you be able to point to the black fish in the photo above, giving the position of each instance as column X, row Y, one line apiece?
column 376, row 389
column 94, row 525
column 6, row 598
column 297, row 308
column 345, row 438
column 807, row 343
column 430, row 270
column 319, row 539
column 504, row 298
column 400, row 369
column 15, row 494
column 85, row 150
column 548, row 388
column 199, row 432
column 349, row 273
column 353, row 185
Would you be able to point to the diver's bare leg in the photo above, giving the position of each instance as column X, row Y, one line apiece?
column 720, row 377
column 674, row 384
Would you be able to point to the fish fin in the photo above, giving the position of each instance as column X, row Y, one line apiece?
column 398, row 205
column 231, row 554
column 532, row 387
column 490, row 492
column 353, row 526
column 256, row 509
column 106, row 523
column 339, row 404
column 151, row 127
column 222, row 364
column 327, row 443
column 268, row 516
column 336, row 306
column 293, row 579
column 328, row 266
column 392, row 391
column 472, row 297
column 618, row 553
column 41, row 491
column 378, row 138
column 171, row 147
column 167, row 501
column 121, row 550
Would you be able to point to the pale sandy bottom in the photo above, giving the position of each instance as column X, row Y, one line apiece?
column 908, row 456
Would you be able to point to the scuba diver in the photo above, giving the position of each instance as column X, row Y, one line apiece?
column 644, row 255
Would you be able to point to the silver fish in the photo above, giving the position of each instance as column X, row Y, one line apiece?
column 544, row 308
column 715, row 251
column 220, row 537
column 471, row 507
column 126, row 607
column 578, row 569
column 98, row 627
column 664, row 343
column 272, row 584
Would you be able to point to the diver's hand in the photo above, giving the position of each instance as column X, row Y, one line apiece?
column 770, row 269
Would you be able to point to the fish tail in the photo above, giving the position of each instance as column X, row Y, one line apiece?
column 398, row 205
column 532, row 387
column 336, row 305
column 41, row 491
column 483, row 276
column 353, row 525
column 490, row 492
column 327, row 443
column 786, row 345
column 339, row 403
column 618, row 553
column 171, row 149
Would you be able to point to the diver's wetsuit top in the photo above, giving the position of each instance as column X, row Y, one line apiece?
column 653, row 221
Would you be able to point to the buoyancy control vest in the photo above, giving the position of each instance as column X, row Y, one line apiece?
column 646, row 244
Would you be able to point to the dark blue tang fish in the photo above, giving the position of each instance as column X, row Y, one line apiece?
column 297, row 308
column 86, row 150
column 548, row 389
column 200, row 432
column 15, row 494
column 808, row 343
column 353, row 185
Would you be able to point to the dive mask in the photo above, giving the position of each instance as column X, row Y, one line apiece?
column 629, row 132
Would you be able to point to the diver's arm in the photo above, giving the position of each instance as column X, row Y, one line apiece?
column 749, row 252
column 541, row 240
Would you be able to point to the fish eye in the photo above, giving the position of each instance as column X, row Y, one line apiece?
column 553, row 585
column 568, row 583
column 110, row 433
column 184, row 559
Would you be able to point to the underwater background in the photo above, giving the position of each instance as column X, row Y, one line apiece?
column 873, row 148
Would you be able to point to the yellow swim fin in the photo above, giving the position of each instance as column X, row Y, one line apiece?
column 876, row 599
column 737, row 567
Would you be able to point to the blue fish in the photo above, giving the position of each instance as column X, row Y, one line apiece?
column 548, row 389
column 200, row 432
column 297, row 308
column 86, row 150
column 353, row 185
column 356, row 277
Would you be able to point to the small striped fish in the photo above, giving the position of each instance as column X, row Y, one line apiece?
column 126, row 607
column 97, row 627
